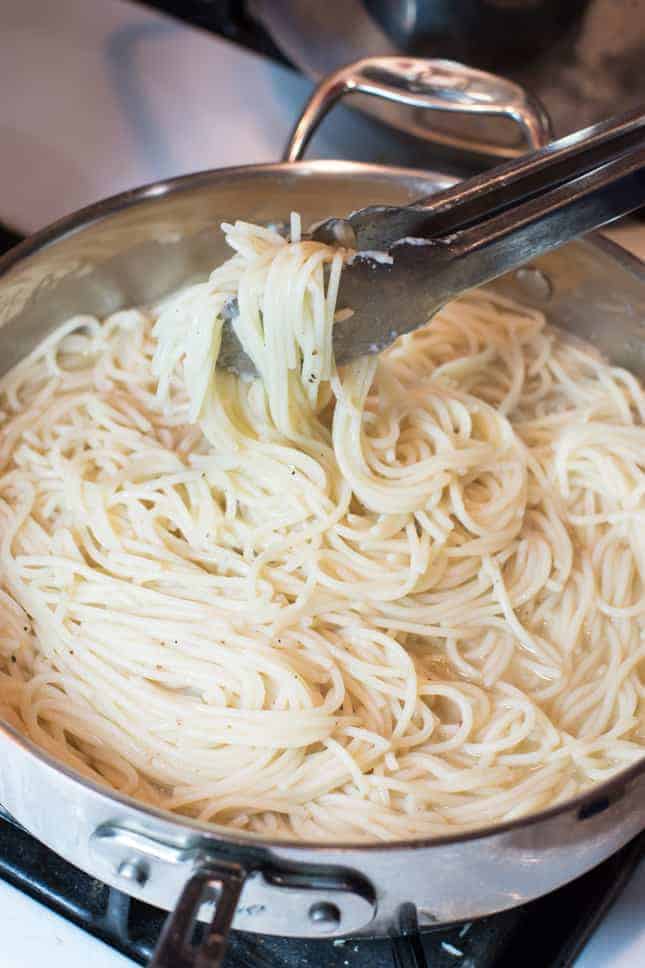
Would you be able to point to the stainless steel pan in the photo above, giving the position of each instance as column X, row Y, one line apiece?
column 130, row 250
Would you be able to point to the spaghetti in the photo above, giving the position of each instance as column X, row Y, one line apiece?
column 401, row 599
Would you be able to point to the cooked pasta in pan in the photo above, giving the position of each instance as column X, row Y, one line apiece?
column 402, row 598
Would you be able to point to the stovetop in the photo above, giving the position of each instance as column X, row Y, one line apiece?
column 547, row 933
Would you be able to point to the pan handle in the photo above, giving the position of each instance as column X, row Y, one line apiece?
column 296, row 900
column 176, row 948
column 440, row 85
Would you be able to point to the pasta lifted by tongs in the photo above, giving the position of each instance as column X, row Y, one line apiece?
column 413, row 259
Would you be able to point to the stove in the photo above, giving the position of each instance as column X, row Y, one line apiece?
column 128, row 76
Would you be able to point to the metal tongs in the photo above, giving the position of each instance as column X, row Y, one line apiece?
column 411, row 260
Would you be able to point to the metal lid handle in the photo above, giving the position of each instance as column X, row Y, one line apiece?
column 439, row 85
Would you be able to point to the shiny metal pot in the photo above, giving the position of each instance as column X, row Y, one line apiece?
column 132, row 249
column 582, row 58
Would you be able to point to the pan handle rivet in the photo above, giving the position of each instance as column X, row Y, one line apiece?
column 324, row 915
column 535, row 283
column 136, row 871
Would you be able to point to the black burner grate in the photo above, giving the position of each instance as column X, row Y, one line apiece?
column 8, row 238
column 501, row 941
